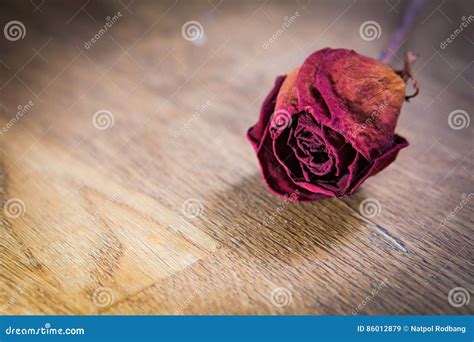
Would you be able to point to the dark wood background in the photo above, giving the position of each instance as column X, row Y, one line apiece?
column 101, row 227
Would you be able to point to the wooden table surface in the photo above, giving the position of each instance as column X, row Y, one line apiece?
column 128, row 185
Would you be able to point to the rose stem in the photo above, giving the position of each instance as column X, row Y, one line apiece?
column 402, row 30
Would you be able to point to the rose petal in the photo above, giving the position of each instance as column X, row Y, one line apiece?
column 328, row 126
column 308, row 158
column 361, row 91
column 342, row 151
column 275, row 175
column 377, row 165
column 256, row 132
column 287, row 99
column 309, row 98
column 291, row 165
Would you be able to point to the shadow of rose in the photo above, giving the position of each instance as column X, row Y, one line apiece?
column 250, row 217
column 280, row 243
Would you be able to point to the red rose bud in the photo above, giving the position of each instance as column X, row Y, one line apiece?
column 329, row 125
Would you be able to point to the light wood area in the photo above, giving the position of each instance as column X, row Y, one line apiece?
column 164, row 211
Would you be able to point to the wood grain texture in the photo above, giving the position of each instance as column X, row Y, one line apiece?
column 103, row 228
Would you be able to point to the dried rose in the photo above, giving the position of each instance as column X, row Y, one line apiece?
column 329, row 125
